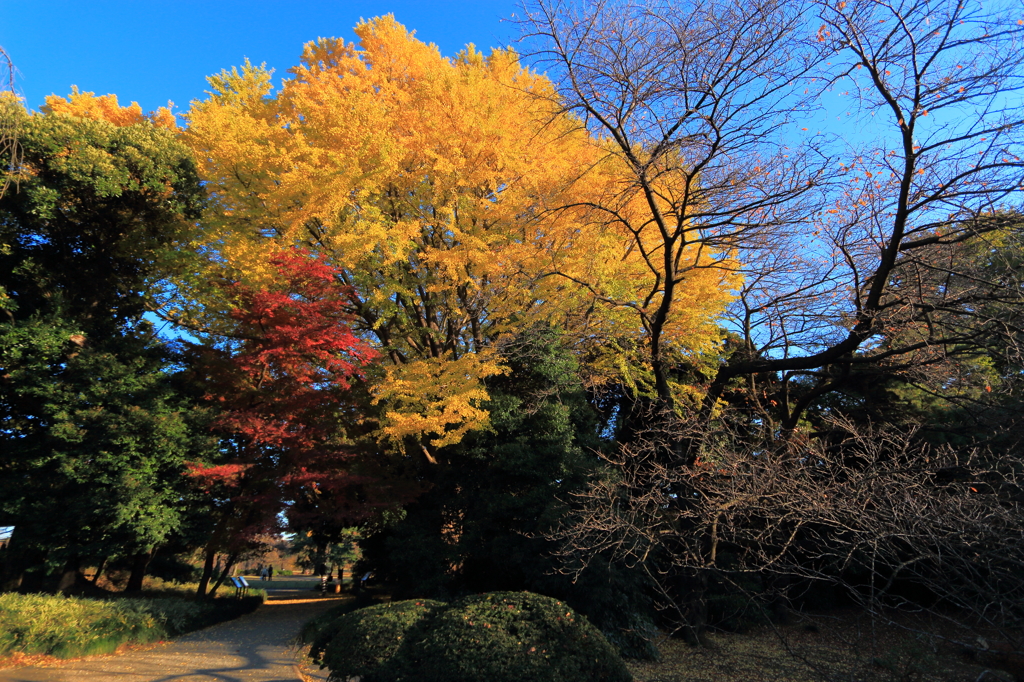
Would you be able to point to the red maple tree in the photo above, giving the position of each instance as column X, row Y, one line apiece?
column 283, row 381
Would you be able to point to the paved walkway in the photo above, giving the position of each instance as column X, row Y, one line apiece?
column 258, row 647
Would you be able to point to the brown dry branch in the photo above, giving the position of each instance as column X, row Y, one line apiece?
column 897, row 525
column 691, row 98
column 888, row 243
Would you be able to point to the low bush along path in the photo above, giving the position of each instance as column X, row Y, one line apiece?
column 258, row 647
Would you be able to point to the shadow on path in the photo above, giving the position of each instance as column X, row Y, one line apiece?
column 254, row 648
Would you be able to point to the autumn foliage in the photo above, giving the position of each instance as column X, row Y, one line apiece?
column 452, row 195
column 281, row 386
column 631, row 335
column 293, row 354
column 106, row 108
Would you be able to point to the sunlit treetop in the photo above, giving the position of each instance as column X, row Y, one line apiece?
column 106, row 108
column 451, row 194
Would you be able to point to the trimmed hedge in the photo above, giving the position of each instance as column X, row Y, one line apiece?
column 509, row 637
column 179, row 616
column 320, row 630
column 67, row 627
column 493, row 637
column 363, row 642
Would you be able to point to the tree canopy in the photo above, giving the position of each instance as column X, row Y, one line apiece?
column 646, row 331
column 94, row 436
column 452, row 196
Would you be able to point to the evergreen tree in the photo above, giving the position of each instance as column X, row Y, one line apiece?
column 92, row 434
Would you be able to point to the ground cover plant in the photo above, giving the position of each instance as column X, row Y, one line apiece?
column 67, row 627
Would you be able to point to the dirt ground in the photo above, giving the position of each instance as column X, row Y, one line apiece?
column 834, row 648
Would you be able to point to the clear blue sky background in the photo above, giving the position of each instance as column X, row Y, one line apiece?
column 151, row 52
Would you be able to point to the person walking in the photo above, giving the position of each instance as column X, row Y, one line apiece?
column 270, row 572
column 321, row 570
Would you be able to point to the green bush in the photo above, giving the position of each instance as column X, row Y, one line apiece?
column 318, row 631
column 66, row 627
column 509, row 637
column 497, row 637
column 360, row 643
column 613, row 599
column 179, row 616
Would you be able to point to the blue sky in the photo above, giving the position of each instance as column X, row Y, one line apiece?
column 151, row 52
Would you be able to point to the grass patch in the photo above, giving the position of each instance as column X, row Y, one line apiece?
column 284, row 583
column 68, row 627
column 156, row 588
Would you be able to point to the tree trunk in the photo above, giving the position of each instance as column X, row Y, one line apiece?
column 204, row 582
column 140, row 562
column 693, row 589
column 70, row 574
column 99, row 570
column 228, row 564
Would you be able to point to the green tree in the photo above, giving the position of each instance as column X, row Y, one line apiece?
column 481, row 526
column 474, row 529
column 92, row 434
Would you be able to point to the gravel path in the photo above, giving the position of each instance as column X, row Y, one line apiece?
column 258, row 647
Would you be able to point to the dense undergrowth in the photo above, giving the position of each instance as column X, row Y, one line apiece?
column 66, row 627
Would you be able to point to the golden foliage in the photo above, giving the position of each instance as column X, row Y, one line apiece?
column 438, row 397
column 453, row 193
column 106, row 108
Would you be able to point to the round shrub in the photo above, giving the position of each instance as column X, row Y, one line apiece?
column 356, row 644
column 317, row 632
column 507, row 637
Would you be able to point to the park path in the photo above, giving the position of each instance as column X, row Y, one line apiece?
column 258, row 647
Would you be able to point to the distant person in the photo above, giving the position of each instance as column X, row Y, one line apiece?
column 321, row 570
column 270, row 572
column 263, row 573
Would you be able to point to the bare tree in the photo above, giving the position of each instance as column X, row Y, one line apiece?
column 724, row 112
column 867, row 511
column 867, row 242
column 693, row 98
column 8, row 127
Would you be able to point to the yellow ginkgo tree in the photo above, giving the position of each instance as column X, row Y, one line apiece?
column 106, row 108
column 452, row 194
